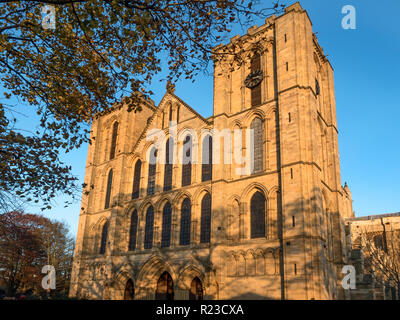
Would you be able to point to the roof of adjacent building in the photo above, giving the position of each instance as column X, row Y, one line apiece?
column 373, row 217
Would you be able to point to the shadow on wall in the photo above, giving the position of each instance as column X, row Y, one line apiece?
column 247, row 276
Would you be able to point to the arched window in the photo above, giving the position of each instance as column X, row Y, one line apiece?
column 257, row 209
column 114, row 140
column 256, row 91
column 206, row 167
column 166, row 226
column 148, row 232
column 136, row 179
column 108, row 191
column 205, row 233
column 152, row 171
column 177, row 114
column 165, row 287
column 129, row 293
column 169, row 147
column 187, row 161
column 133, row 231
column 196, row 290
column 170, row 114
column 257, row 144
column 185, row 223
column 104, row 235
column 317, row 87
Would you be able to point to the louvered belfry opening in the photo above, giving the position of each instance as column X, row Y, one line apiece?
column 257, row 143
column 256, row 91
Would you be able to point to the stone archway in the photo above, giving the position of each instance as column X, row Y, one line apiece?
column 129, row 293
column 165, row 287
column 196, row 289
column 148, row 277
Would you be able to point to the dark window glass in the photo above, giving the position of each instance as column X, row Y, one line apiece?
column 257, row 208
column 187, row 161
column 103, row 242
column 165, row 287
column 148, row 232
column 177, row 114
column 166, row 226
column 133, row 231
column 108, row 192
column 168, row 164
column 114, row 140
column 170, row 113
column 206, row 167
column 196, row 290
column 136, row 180
column 257, row 142
column 185, row 223
column 317, row 88
column 256, row 91
column 205, row 233
column 152, row 172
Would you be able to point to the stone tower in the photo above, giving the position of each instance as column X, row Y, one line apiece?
column 274, row 226
column 296, row 100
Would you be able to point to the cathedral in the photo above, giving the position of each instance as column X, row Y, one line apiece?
column 245, row 204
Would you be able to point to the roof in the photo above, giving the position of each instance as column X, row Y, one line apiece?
column 159, row 109
column 373, row 217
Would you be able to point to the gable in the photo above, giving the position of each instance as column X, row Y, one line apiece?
column 160, row 118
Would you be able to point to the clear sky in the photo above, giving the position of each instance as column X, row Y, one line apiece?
column 367, row 69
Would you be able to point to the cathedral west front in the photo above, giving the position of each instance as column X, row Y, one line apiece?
column 245, row 204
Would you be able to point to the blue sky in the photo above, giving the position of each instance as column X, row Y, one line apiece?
column 367, row 83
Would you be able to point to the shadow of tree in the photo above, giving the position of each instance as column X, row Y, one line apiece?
column 313, row 256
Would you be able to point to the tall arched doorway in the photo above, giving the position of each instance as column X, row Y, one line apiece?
column 129, row 293
column 165, row 287
column 196, row 290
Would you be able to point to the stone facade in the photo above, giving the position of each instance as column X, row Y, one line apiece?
column 303, row 248
column 382, row 231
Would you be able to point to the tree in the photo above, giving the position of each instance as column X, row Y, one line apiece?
column 59, row 248
column 100, row 53
column 382, row 256
column 20, row 250
column 27, row 243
